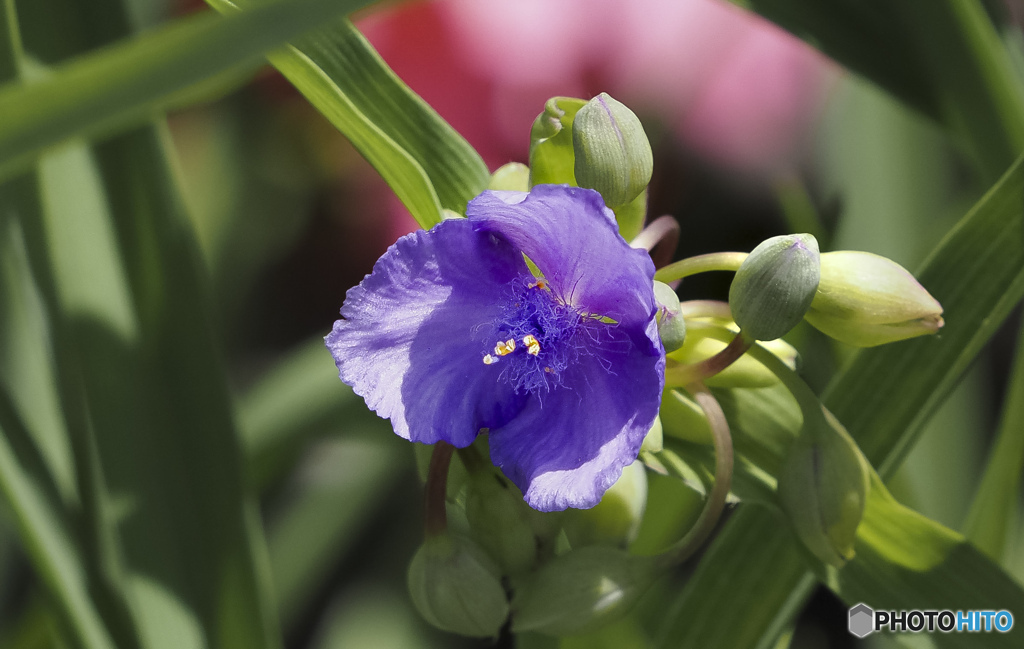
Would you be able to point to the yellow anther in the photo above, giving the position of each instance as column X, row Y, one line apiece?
column 539, row 284
column 532, row 346
column 490, row 360
column 505, row 348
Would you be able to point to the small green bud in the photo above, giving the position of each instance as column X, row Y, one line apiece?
column 616, row 519
column 612, row 153
column 671, row 324
column 456, row 587
column 823, row 487
column 513, row 176
column 580, row 590
column 499, row 520
column 866, row 300
column 774, row 286
column 654, row 441
column 681, row 417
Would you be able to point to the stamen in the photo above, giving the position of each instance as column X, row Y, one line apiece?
column 539, row 284
column 505, row 348
column 490, row 360
column 532, row 345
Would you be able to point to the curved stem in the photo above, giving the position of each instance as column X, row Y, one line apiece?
column 684, row 375
column 434, row 509
column 660, row 238
column 802, row 392
column 730, row 261
column 715, row 503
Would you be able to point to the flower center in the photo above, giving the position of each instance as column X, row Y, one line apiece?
column 537, row 337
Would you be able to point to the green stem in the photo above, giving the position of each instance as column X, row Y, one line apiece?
column 805, row 397
column 434, row 507
column 683, row 375
column 729, row 261
column 715, row 503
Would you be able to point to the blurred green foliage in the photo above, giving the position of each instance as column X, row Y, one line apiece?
column 179, row 465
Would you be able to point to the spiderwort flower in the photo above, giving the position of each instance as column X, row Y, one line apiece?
column 452, row 334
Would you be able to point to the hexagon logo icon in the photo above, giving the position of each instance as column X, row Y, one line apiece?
column 862, row 620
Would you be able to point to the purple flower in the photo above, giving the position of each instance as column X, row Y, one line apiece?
column 451, row 334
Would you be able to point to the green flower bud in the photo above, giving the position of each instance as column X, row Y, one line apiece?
column 612, row 154
column 671, row 325
column 823, row 487
column 456, row 587
column 866, row 300
column 499, row 520
column 774, row 286
column 616, row 519
column 654, row 441
column 681, row 417
column 514, row 176
column 580, row 590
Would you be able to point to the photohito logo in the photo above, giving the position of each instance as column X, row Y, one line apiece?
column 864, row 620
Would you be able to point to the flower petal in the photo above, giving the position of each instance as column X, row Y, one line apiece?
column 411, row 338
column 568, row 446
column 574, row 240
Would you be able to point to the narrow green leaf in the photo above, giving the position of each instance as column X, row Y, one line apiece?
column 36, row 509
column 426, row 162
column 125, row 84
column 903, row 560
column 453, row 167
column 25, row 203
column 885, row 394
column 995, row 503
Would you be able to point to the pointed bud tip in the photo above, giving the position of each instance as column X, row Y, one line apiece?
column 865, row 300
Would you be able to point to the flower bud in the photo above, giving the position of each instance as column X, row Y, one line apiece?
column 654, row 440
column 455, row 586
column 612, row 153
column 513, row 177
column 866, row 300
column 823, row 487
column 681, row 417
column 671, row 325
column 499, row 520
column 774, row 286
column 580, row 590
column 616, row 519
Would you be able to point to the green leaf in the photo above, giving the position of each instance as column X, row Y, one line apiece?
column 54, row 551
column 125, row 84
column 994, row 509
column 903, row 560
column 883, row 398
column 424, row 160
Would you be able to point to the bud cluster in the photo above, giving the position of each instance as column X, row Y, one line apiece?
column 499, row 564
